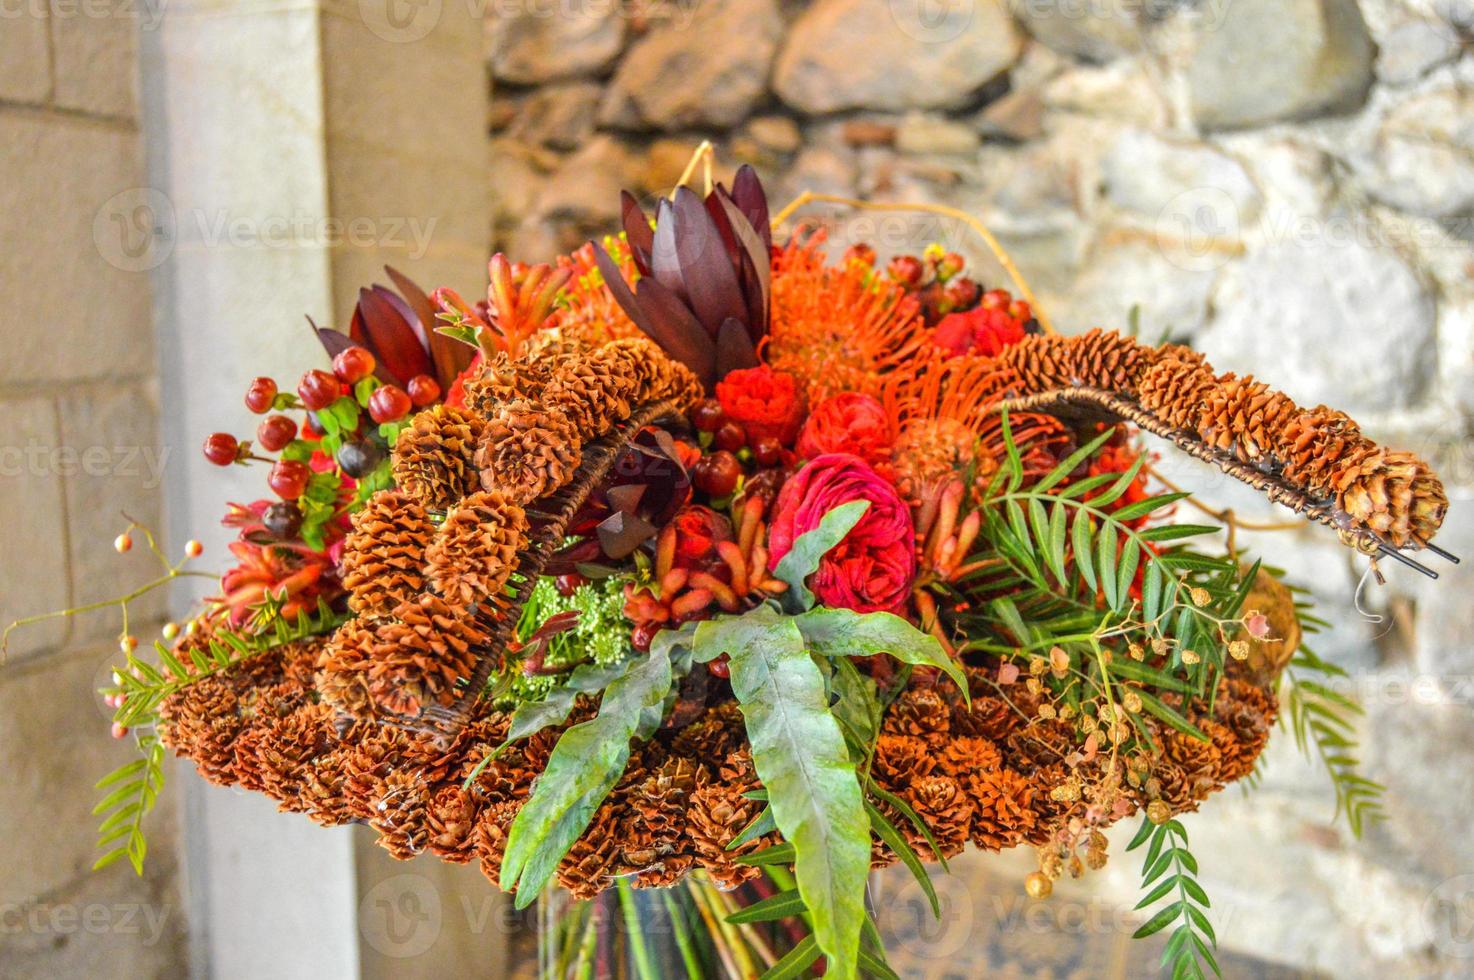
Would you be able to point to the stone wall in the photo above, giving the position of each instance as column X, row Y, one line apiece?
column 1286, row 184
column 78, row 396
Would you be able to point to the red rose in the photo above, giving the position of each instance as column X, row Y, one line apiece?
column 872, row 569
column 848, row 423
column 766, row 402
column 698, row 529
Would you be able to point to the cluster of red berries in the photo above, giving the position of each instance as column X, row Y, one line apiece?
column 316, row 391
column 718, row 472
column 935, row 278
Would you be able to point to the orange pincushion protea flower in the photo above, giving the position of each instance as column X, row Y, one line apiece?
column 587, row 309
column 838, row 328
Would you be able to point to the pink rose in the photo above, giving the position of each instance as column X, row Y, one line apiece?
column 872, row 569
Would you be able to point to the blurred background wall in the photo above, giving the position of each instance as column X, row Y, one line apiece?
column 1287, row 184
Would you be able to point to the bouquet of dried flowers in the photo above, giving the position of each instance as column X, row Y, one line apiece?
column 705, row 562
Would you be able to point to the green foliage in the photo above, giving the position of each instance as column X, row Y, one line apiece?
column 1170, row 871
column 132, row 791
column 834, row 632
column 804, row 762
column 808, row 548
column 584, row 766
column 1324, row 721
column 599, row 636
column 134, row 787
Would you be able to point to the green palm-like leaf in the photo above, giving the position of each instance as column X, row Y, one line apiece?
column 845, row 633
column 810, row 547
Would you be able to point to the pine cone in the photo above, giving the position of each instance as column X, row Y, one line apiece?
column 527, row 452
column 499, row 381
column 384, row 554
column 963, row 756
column 713, row 735
column 1041, row 362
column 1314, row 443
column 987, row 717
column 1109, row 360
column 594, row 391
column 433, row 459
column 399, row 665
column 1003, row 808
column 399, row 815
column 900, row 760
column 1394, row 494
column 475, row 551
column 290, row 749
column 945, row 809
column 1243, row 416
column 450, row 818
column 590, row 864
column 492, row 828
column 718, row 813
column 920, row 711
column 1176, row 389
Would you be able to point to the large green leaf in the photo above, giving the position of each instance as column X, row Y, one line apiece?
column 584, row 766
column 846, row 633
column 802, row 759
column 808, row 548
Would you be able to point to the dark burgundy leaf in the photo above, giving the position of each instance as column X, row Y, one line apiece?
column 333, row 341
column 625, row 498
column 394, row 340
column 623, row 295
column 637, row 231
column 621, row 534
column 706, row 269
column 734, row 349
column 665, row 257
column 451, row 357
column 757, row 270
column 747, row 192
column 568, row 560
column 557, row 623
column 675, row 329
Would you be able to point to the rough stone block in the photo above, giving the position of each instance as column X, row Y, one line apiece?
column 96, row 57
column 25, row 74
column 33, row 561
column 74, row 195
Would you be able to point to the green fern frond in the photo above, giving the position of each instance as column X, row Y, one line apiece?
column 1170, row 873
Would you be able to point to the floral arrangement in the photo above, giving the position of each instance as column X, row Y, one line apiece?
column 710, row 563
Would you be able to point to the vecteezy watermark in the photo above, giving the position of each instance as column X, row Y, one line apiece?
column 401, row 916
column 36, row 458
column 400, row 21
column 148, row 13
column 1448, row 915
column 138, row 229
column 92, row 918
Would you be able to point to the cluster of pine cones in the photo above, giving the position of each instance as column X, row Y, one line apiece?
column 984, row 773
column 426, row 564
column 1320, row 451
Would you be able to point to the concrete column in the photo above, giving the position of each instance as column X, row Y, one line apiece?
column 295, row 147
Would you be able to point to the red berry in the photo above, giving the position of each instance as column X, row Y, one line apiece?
column 642, row 634
column 275, row 432
column 261, row 395
column 389, row 403
column 962, row 293
column 906, row 270
column 568, row 584
column 423, row 390
column 720, row 667
column 949, row 265
column 353, row 364
column 119, row 730
column 861, row 253
column 718, row 474
column 288, row 479
column 731, row 436
column 708, row 416
column 222, row 449
column 318, row 389
column 768, row 451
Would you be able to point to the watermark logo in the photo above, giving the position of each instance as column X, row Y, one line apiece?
column 401, row 916
column 400, row 21
column 933, row 21
column 135, row 229
column 1448, row 915
column 1198, row 230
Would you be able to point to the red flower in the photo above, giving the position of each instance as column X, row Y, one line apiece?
column 848, row 423
column 698, row 529
column 766, row 402
column 987, row 329
column 873, row 567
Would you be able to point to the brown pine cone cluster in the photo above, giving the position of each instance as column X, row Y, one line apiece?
column 475, row 551
column 681, row 802
column 1320, row 451
column 527, row 451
